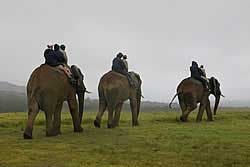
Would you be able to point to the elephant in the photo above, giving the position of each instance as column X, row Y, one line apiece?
column 190, row 92
column 113, row 90
column 48, row 87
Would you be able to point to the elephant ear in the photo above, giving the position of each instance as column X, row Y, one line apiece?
column 136, row 79
column 213, row 85
column 218, row 91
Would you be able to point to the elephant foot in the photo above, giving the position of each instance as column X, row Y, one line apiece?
column 97, row 124
column 183, row 119
column 79, row 129
column 110, row 126
column 198, row 119
column 57, row 132
column 135, row 124
column 27, row 134
column 51, row 134
column 116, row 125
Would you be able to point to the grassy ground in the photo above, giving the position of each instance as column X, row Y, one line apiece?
column 160, row 140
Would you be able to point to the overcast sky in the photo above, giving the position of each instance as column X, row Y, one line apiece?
column 160, row 37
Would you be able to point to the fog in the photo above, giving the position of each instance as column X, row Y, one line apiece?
column 161, row 38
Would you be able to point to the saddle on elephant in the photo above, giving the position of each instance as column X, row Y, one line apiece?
column 57, row 59
column 119, row 66
column 131, row 76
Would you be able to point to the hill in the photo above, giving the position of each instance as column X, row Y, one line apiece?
column 13, row 99
column 9, row 87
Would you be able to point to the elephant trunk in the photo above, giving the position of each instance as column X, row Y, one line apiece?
column 217, row 101
column 81, row 95
column 138, row 102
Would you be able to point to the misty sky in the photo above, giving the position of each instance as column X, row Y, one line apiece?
column 160, row 37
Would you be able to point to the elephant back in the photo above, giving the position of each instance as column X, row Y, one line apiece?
column 47, row 78
column 191, row 80
column 136, row 79
column 189, row 85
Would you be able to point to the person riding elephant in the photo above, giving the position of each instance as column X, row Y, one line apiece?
column 196, row 73
column 63, row 61
column 119, row 66
column 52, row 58
column 62, row 49
column 203, row 74
column 203, row 71
column 58, row 58
column 55, row 58
column 124, row 59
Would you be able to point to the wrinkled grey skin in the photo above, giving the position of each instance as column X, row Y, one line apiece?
column 113, row 90
column 190, row 92
column 47, row 89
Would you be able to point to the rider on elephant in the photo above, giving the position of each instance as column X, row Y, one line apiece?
column 62, row 49
column 119, row 66
column 58, row 58
column 204, row 75
column 124, row 59
column 51, row 58
column 196, row 73
column 55, row 58
column 63, row 66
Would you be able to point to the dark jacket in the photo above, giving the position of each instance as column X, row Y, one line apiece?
column 118, row 65
column 195, row 70
column 53, row 58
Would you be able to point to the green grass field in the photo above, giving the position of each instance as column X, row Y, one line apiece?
column 160, row 140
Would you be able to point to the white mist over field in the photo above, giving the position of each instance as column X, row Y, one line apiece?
column 161, row 38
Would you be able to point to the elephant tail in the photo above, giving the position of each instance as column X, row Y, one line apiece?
column 173, row 100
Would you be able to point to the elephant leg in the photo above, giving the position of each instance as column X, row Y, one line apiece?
column 57, row 119
column 201, row 111
column 138, row 104
column 102, row 108
column 183, row 109
column 185, row 114
column 186, row 110
column 209, row 112
column 110, row 116
column 49, row 122
column 74, row 113
column 117, row 114
column 133, row 106
column 32, row 113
